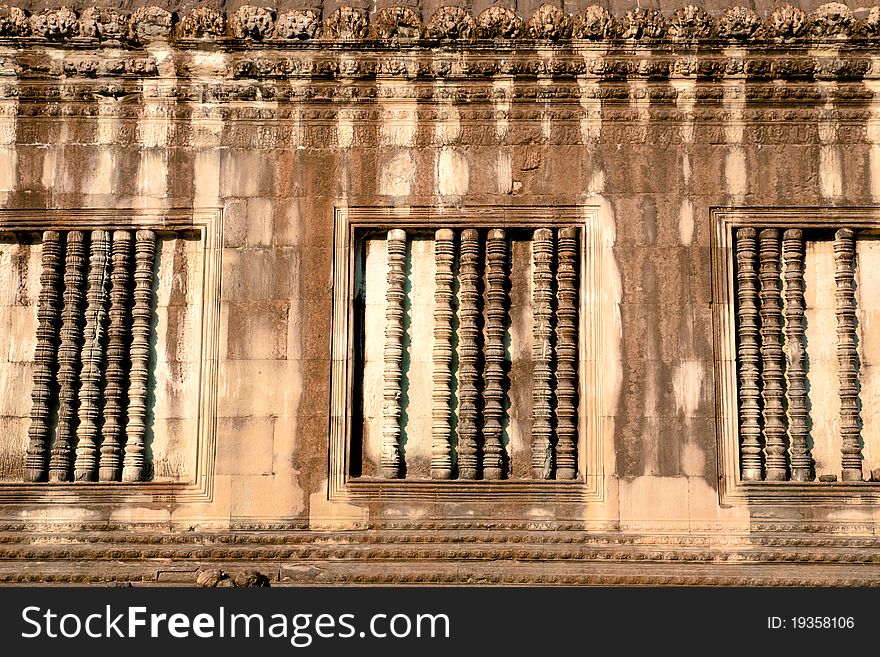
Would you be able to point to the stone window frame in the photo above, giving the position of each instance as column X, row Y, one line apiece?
column 733, row 489
column 589, row 486
column 208, row 224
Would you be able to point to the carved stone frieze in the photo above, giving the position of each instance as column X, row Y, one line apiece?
column 397, row 23
column 203, row 22
column 13, row 21
column 691, row 23
column 451, row 23
column 104, row 24
column 832, row 21
column 150, row 24
column 299, row 24
column 548, row 22
column 347, row 23
column 739, row 23
column 499, row 22
column 251, row 22
column 788, row 23
column 594, row 23
column 642, row 23
column 54, row 24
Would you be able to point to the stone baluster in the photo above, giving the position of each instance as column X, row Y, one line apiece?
column 847, row 356
column 795, row 370
column 749, row 354
column 61, row 462
column 395, row 296
column 566, row 354
column 542, row 353
column 117, row 351
column 469, row 352
column 36, row 456
column 441, row 429
column 494, row 375
column 133, row 465
column 85, row 467
column 772, row 356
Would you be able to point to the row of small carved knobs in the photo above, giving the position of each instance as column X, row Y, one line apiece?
column 829, row 21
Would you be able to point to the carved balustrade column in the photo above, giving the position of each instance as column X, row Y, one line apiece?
column 542, row 353
column 496, row 321
column 85, row 467
column 469, row 352
column 36, row 457
column 133, row 465
column 566, row 353
column 395, row 296
column 117, row 350
column 847, row 356
column 772, row 356
column 441, row 429
column 748, row 353
column 60, row 464
column 795, row 326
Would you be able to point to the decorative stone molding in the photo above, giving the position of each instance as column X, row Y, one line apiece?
column 299, row 24
column 594, row 23
column 203, row 22
column 13, row 21
column 150, row 24
column 347, row 23
column 251, row 22
column 739, row 23
column 451, row 23
column 691, row 24
column 499, row 22
column 54, row 24
column 397, row 23
column 832, row 21
column 105, row 24
column 548, row 22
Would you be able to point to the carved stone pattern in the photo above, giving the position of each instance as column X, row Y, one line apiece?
column 691, row 22
column 13, row 21
column 54, row 24
column 60, row 465
column 133, row 468
column 117, row 351
column 771, row 356
column 788, row 22
column 202, row 22
column 397, row 23
column 150, row 23
column 642, row 23
column 739, row 23
column 832, row 20
column 871, row 24
column 300, row 24
column 347, row 23
column 251, row 22
column 104, row 24
column 85, row 467
column 441, row 430
column 566, row 353
column 469, row 352
column 395, row 295
column 795, row 328
column 44, row 358
column 450, row 23
column 847, row 355
column 594, row 23
column 494, row 375
column 498, row 22
column 748, row 354
column 548, row 22
column 542, row 353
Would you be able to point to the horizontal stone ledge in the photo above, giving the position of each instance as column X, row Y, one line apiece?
column 834, row 22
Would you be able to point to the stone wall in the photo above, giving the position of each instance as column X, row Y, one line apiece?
column 260, row 153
